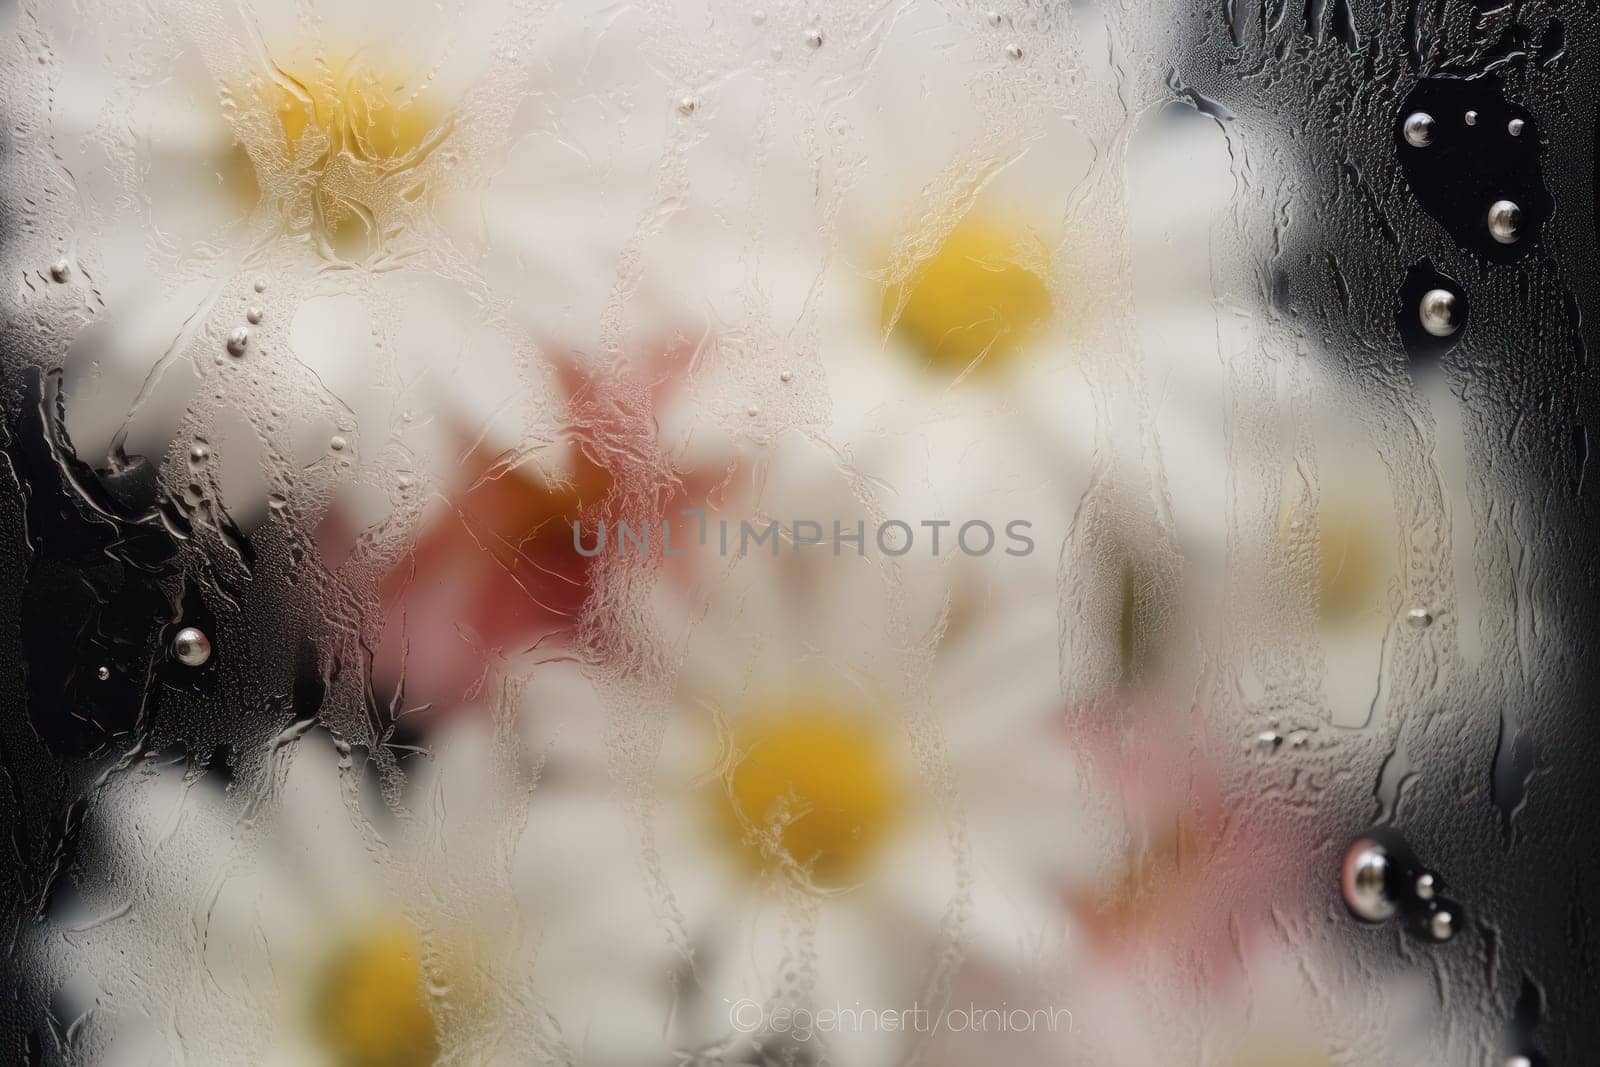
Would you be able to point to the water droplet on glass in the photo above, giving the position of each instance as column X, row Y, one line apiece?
column 1014, row 51
column 199, row 453
column 1268, row 741
column 238, row 338
column 1471, row 118
column 1505, row 221
column 1442, row 926
column 1426, row 886
column 814, row 38
column 753, row 410
column 337, row 443
column 1515, row 127
column 1419, row 618
column 1364, row 881
column 254, row 315
column 1437, row 312
column 191, row 648
column 688, row 105
column 102, row 673
column 261, row 285
column 1419, row 129
column 1518, row 1061
column 994, row 18
column 786, row 376
column 60, row 270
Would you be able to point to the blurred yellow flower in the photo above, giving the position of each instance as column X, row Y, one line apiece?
column 813, row 784
column 373, row 123
column 1351, row 564
column 1350, row 558
column 362, row 113
column 370, row 1008
column 972, row 305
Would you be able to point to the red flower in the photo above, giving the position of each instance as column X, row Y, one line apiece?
column 496, row 574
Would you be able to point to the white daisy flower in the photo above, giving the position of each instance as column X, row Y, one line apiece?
column 252, row 268
column 342, row 158
column 904, row 264
column 312, row 922
column 856, row 785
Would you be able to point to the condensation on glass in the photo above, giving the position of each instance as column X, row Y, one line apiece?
column 797, row 533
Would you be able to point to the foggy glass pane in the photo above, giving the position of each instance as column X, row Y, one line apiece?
column 837, row 533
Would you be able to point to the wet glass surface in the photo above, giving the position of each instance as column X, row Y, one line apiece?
column 656, row 533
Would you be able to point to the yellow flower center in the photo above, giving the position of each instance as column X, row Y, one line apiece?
column 971, row 305
column 1349, row 566
column 371, row 1007
column 364, row 127
column 364, row 116
column 1350, row 561
column 1137, row 623
column 813, row 785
